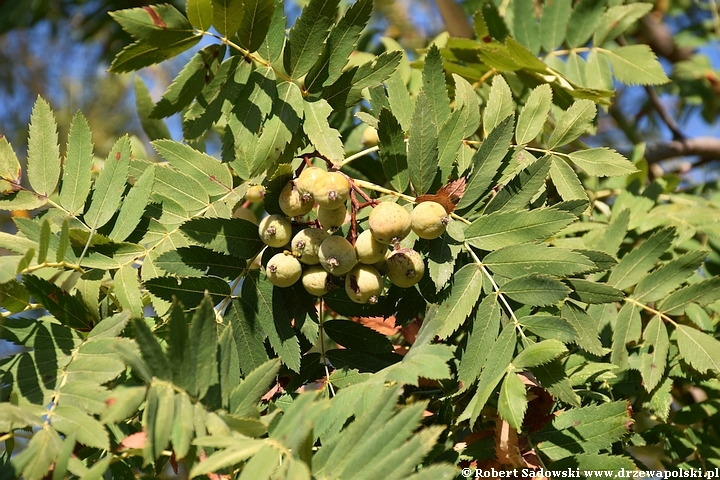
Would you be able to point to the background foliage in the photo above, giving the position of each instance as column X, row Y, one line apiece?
column 568, row 315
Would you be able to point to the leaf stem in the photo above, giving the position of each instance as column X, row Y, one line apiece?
column 321, row 339
column 248, row 54
column 359, row 154
column 651, row 310
column 496, row 288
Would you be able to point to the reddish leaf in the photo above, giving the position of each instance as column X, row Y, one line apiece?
column 134, row 441
column 448, row 196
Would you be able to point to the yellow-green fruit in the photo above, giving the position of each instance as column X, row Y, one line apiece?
column 337, row 255
column 368, row 249
column 283, row 270
column 245, row 214
column 370, row 137
column 429, row 220
column 316, row 280
column 381, row 266
column 275, row 230
column 389, row 223
column 306, row 243
column 306, row 181
column 331, row 190
column 363, row 284
column 331, row 217
column 292, row 203
column 405, row 267
column 255, row 193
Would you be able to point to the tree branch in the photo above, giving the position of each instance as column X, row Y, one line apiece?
column 455, row 19
column 704, row 147
column 656, row 34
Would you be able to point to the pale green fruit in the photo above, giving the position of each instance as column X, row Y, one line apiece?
column 306, row 243
column 389, row 222
column 331, row 190
column 363, row 284
column 255, row 193
column 405, row 267
column 306, row 181
column 245, row 214
column 429, row 220
column 283, row 270
column 337, row 255
column 275, row 230
column 370, row 137
column 331, row 217
column 292, row 203
column 316, row 280
column 368, row 249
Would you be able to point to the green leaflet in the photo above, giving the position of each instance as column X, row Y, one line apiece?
column 189, row 83
column 195, row 261
column 356, row 336
column 586, row 327
column 214, row 177
column 517, row 260
column 652, row 364
column 703, row 293
column 246, row 395
column 628, row 327
column 701, row 351
column 539, row 354
column 617, row 19
column 602, row 162
column 154, row 128
column 484, row 331
column 274, row 42
column 422, row 146
column 438, row 103
column 584, row 19
column 307, row 36
column 450, row 138
column 227, row 16
column 500, row 105
column 553, row 23
column 636, row 65
column 502, row 229
column 566, row 181
column 133, row 206
column 667, row 278
column 638, row 262
column 401, row 105
column 190, row 291
column 109, row 185
column 325, row 139
column 271, row 314
column 43, row 166
column 235, row 236
column 255, row 23
column 594, row 427
column 340, row 44
column 525, row 27
column 512, row 402
column 496, row 366
column 200, row 13
column 157, row 419
column 347, row 90
column 486, row 162
column 534, row 114
column 463, row 295
column 521, row 190
column 77, row 172
column 199, row 361
column 535, row 289
column 139, row 55
column 393, row 152
column 572, row 123
column 127, row 288
column 157, row 25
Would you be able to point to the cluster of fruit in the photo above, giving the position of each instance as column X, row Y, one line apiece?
column 314, row 255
